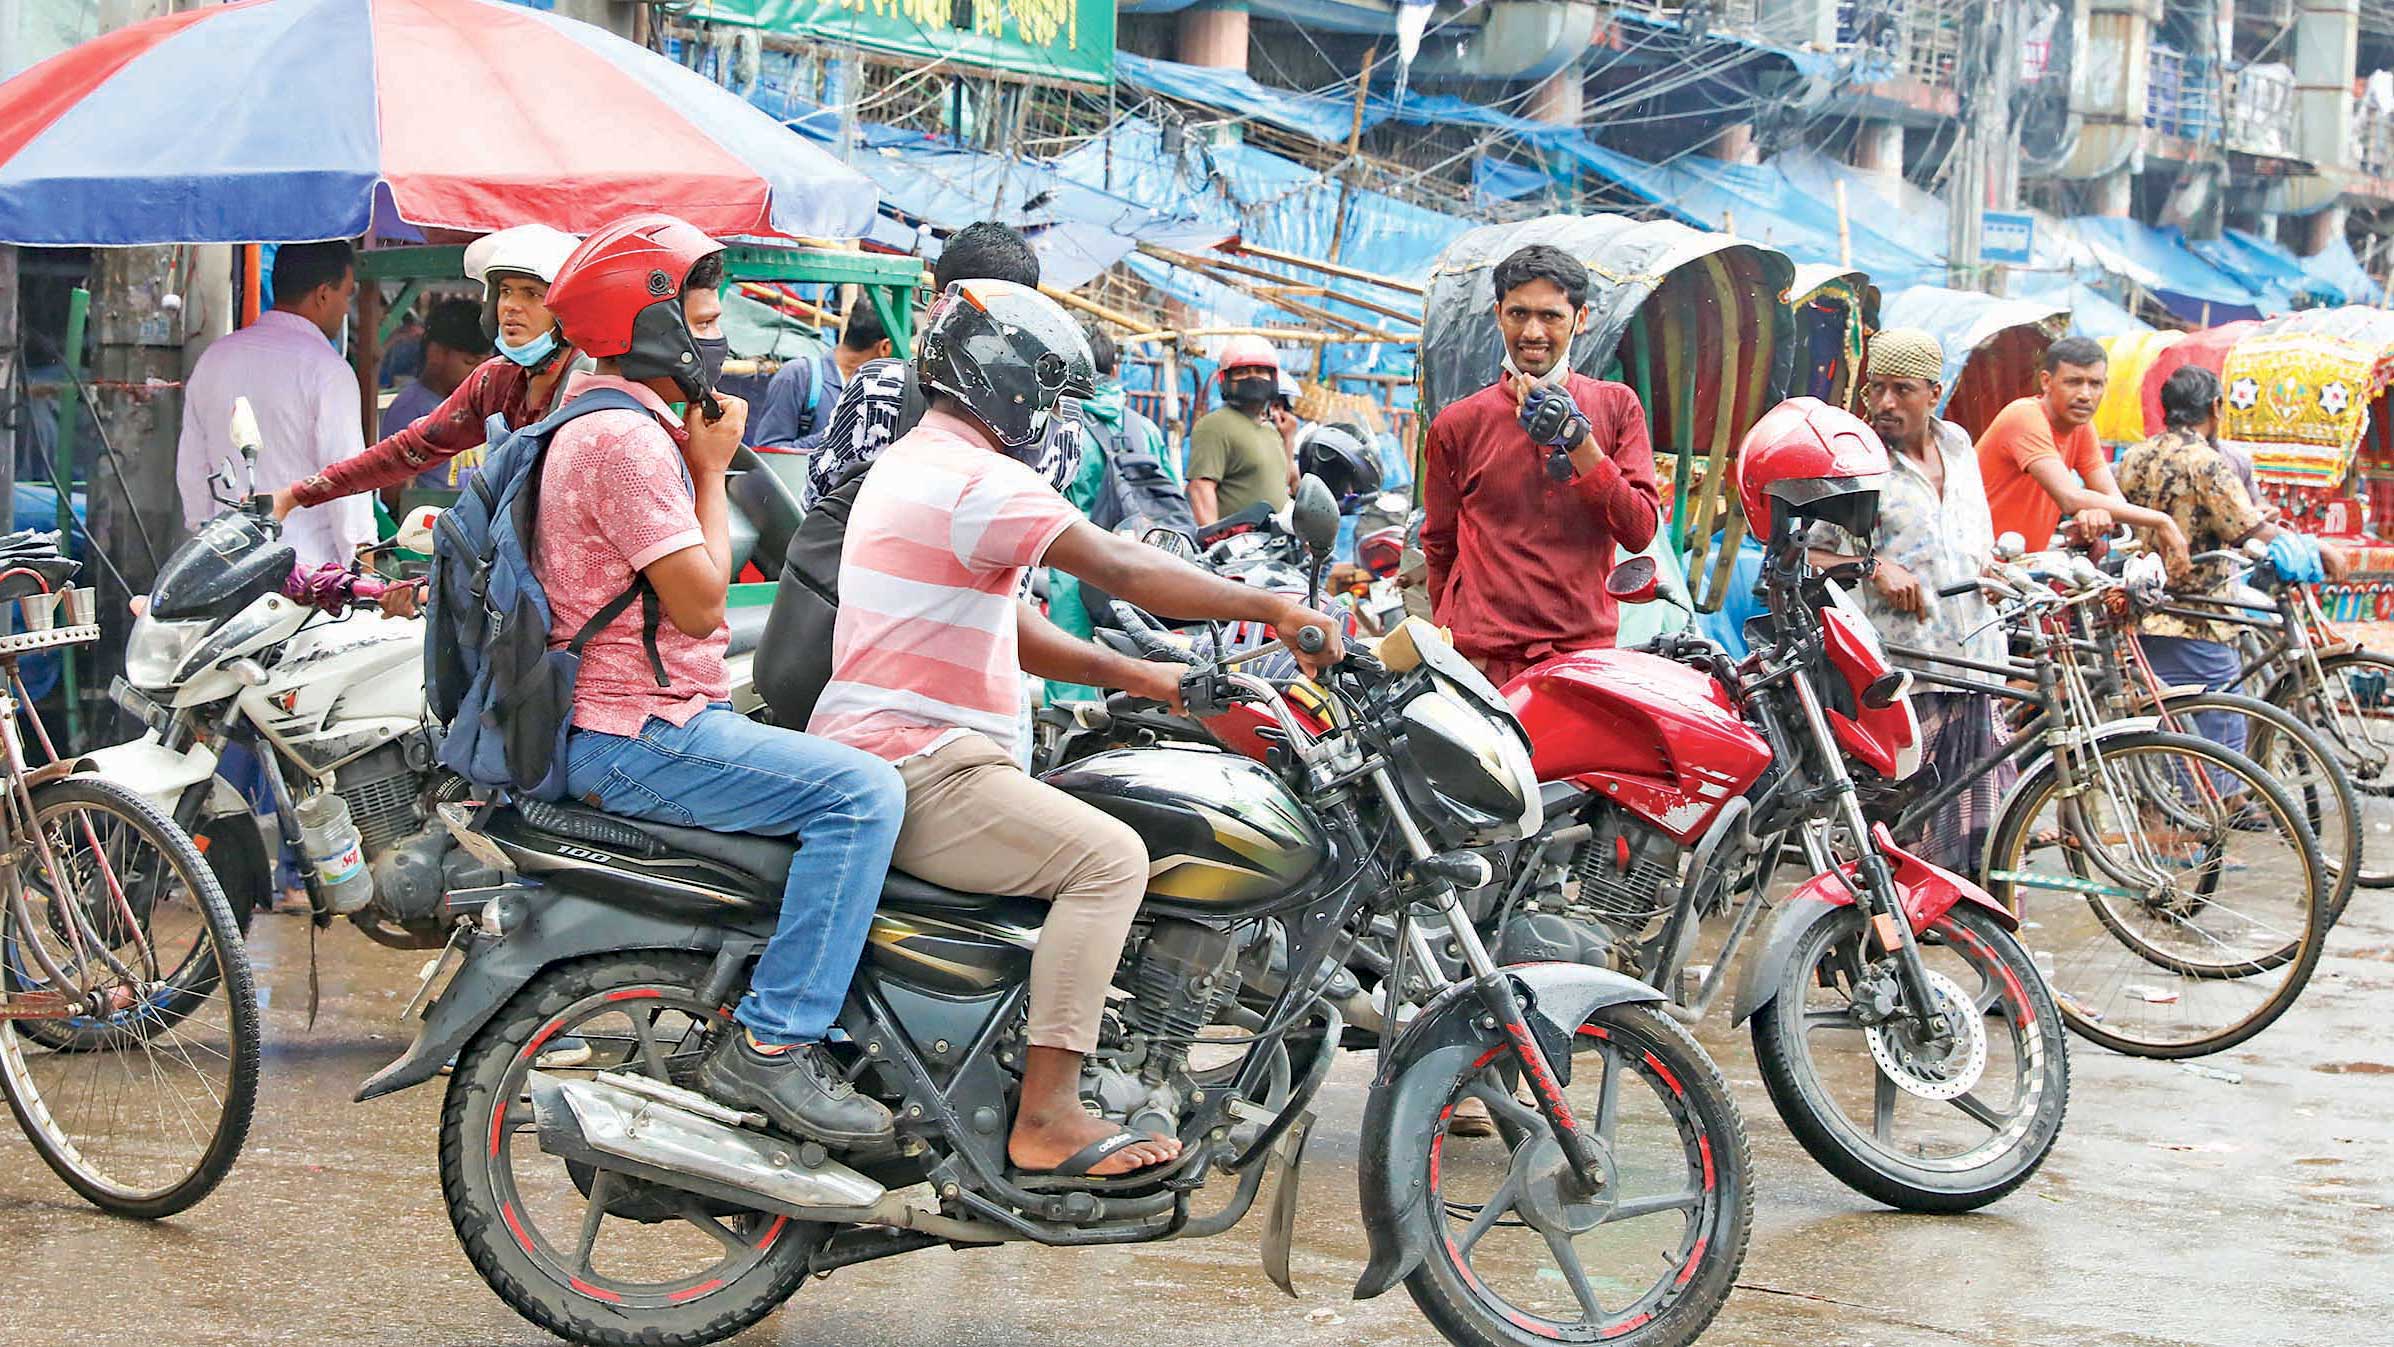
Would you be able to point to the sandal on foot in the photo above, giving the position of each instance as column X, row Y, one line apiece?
column 1078, row 1164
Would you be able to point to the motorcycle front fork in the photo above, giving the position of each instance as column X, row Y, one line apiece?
column 1877, row 895
column 1501, row 1004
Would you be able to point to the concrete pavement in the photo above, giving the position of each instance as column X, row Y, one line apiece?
column 2178, row 1208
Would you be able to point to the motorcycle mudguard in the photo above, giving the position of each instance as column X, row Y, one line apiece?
column 150, row 767
column 1422, row 1065
column 559, row 925
column 1929, row 892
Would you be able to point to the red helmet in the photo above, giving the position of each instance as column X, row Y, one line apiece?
column 1816, row 462
column 619, row 296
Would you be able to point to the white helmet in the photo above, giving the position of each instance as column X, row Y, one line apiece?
column 533, row 250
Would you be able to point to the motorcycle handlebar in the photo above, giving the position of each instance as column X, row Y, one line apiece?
column 1958, row 589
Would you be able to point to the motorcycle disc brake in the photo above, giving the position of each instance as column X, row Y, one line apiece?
column 1932, row 1070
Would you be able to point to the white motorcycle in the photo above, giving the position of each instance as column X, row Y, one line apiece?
column 308, row 678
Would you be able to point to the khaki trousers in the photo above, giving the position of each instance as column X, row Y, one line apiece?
column 976, row 821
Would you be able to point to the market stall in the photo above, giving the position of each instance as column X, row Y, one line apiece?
column 1697, row 323
column 1836, row 309
column 1993, row 346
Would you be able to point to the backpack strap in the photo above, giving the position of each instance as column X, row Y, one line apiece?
column 650, row 616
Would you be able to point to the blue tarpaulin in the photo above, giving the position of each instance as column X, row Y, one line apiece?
column 2158, row 258
column 2269, row 269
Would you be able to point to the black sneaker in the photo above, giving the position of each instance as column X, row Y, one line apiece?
column 796, row 1089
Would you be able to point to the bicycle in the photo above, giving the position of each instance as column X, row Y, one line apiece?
column 2136, row 830
column 128, row 1012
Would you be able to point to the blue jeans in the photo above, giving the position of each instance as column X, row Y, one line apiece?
column 726, row 773
column 244, row 771
column 2212, row 664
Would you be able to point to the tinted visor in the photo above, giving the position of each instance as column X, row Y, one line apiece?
column 1850, row 503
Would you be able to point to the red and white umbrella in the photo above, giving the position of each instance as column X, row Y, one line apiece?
column 288, row 119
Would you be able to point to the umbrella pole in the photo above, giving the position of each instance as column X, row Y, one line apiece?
column 62, row 480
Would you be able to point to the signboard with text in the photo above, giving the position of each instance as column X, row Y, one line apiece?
column 2007, row 236
column 1045, row 39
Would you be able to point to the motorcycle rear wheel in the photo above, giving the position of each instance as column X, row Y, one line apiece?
column 1637, row 1077
column 2023, row 1118
column 527, row 1221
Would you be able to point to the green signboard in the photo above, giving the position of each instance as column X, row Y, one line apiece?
column 1046, row 39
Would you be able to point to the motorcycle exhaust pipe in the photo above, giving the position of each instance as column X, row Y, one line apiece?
column 682, row 1139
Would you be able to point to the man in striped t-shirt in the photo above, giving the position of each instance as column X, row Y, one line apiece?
column 928, row 655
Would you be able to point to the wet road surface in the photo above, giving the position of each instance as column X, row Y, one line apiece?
column 2178, row 1208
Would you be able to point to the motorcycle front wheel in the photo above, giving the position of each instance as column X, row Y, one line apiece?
column 599, row 1257
column 1919, row 1123
column 1518, row 1257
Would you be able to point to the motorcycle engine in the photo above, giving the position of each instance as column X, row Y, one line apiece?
column 384, row 790
column 1178, row 975
column 1628, row 873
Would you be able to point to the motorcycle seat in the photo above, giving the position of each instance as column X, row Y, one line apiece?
column 747, row 624
column 764, row 861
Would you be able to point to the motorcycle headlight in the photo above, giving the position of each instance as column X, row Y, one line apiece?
column 1468, row 777
column 156, row 648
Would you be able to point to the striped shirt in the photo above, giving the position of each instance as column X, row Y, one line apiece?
column 924, row 648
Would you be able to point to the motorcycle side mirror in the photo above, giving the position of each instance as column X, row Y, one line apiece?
column 1634, row 580
column 415, row 532
column 1313, row 517
column 2009, row 546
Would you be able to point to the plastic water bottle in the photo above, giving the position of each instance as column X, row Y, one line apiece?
column 331, row 844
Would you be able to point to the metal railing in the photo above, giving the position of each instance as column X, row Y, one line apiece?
column 1924, row 36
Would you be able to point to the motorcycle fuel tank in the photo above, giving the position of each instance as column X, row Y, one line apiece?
column 1657, row 736
column 1224, row 837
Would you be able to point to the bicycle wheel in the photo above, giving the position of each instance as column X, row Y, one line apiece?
column 2176, row 904
column 2353, row 711
column 144, row 1113
column 2296, row 757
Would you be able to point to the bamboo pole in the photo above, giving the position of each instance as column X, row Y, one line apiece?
column 1195, row 262
column 1346, row 186
column 1845, row 230
column 1094, row 309
column 1326, row 268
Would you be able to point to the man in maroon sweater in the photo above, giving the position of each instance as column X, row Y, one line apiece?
column 1529, row 484
column 520, row 383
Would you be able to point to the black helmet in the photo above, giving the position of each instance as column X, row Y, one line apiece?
column 1342, row 458
column 1008, row 354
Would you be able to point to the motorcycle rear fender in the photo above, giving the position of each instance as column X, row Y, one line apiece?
column 1928, row 894
column 557, row 925
column 1417, row 1071
column 150, row 767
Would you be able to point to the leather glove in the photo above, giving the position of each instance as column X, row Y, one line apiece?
column 1553, row 419
column 2296, row 558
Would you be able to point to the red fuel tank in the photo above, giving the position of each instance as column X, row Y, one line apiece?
column 1655, row 735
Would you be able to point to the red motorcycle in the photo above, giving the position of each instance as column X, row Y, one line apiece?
column 1904, row 1034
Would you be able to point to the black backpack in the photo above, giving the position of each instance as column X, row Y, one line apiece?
column 793, row 657
column 1135, row 486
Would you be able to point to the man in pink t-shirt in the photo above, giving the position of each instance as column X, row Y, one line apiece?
column 632, row 503
column 928, row 657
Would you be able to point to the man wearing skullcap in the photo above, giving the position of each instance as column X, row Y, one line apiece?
column 1934, row 532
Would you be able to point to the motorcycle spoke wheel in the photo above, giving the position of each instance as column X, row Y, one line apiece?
column 1919, row 1122
column 2165, row 943
column 1638, row 1261
column 599, row 1255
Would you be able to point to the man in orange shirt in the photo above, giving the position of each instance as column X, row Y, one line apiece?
column 2039, row 459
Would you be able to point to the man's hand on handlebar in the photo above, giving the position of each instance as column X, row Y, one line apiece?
column 285, row 501
column 1158, row 681
column 402, row 600
column 1312, row 637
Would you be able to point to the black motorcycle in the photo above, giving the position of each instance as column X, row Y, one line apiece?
column 612, row 1203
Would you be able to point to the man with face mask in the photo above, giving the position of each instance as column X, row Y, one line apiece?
column 1241, row 452
column 627, row 496
column 1530, row 484
column 519, row 383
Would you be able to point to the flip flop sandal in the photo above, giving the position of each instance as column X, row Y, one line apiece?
column 1075, row 1169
